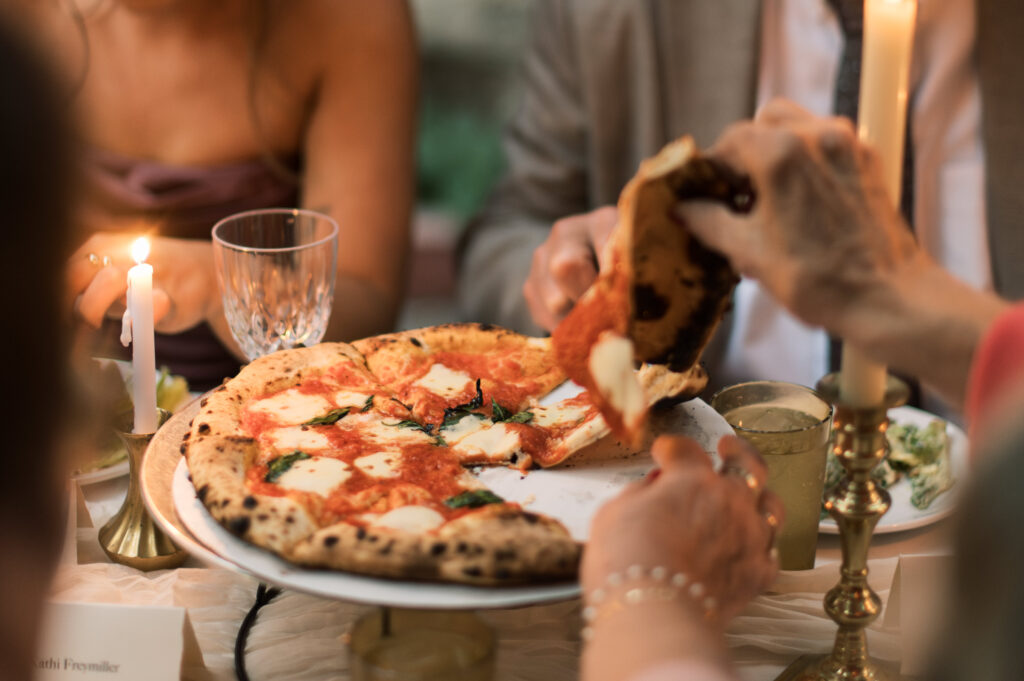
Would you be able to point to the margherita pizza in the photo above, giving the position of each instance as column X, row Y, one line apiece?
column 354, row 456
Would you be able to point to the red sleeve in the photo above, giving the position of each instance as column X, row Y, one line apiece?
column 998, row 366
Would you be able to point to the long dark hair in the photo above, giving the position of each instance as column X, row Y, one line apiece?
column 36, row 195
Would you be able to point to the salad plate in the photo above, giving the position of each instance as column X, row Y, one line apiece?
column 903, row 514
column 111, row 459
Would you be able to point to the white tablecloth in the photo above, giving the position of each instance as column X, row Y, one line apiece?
column 303, row 637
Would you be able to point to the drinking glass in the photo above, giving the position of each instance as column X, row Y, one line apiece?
column 789, row 424
column 276, row 270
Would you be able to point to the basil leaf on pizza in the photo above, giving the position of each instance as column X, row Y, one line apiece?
column 330, row 418
column 282, row 464
column 474, row 498
column 499, row 413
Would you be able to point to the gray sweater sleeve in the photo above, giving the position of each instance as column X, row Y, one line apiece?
column 546, row 151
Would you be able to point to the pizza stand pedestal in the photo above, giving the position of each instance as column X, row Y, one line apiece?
column 571, row 492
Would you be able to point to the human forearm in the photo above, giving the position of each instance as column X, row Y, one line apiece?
column 647, row 636
column 658, row 590
column 361, row 309
column 922, row 320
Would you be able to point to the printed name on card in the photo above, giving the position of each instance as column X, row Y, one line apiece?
column 107, row 641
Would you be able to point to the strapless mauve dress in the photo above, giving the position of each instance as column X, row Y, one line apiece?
column 185, row 202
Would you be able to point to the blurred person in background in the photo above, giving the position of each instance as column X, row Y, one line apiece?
column 192, row 110
column 35, row 192
column 609, row 82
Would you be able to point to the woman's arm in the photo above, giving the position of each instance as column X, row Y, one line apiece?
column 359, row 156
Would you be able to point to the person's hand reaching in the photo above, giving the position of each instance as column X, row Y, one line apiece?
column 673, row 558
column 566, row 264
column 717, row 528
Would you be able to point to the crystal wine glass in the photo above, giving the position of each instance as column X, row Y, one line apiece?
column 276, row 270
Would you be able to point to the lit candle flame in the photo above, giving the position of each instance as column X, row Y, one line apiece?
column 140, row 250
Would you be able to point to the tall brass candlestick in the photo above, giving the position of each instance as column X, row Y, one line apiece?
column 857, row 504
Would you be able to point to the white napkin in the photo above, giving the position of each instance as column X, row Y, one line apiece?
column 790, row 621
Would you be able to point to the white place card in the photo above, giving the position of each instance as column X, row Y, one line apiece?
column 919, row 593
column 106, row 641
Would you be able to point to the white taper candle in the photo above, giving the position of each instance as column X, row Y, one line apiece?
column 140, row 312
column 882, row 117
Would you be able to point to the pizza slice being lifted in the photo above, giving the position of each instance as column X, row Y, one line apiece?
column 660, row 297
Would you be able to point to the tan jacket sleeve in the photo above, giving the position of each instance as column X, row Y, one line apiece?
column 546, row 179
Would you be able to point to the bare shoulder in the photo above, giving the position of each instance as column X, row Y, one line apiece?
column 343, row 28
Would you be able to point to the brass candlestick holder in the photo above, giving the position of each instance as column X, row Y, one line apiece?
column 130, row 537
column 857, row 504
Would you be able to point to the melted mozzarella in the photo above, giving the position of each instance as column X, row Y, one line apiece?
column 349, row 398
column 291, row 406
column 416, row 519
column 445, row 382
column 385, row 432
column 298, row 437
column 496, row 443
column 558, row 415
column 379, row 465
column 611, row 365
column 466, row 426
column 318, row 475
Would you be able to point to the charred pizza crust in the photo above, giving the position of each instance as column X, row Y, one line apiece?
column 220, row 412
column 217, row 465
column 498, row 544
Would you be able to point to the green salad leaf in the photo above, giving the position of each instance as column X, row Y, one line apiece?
column 919, row 454
column 171, row 390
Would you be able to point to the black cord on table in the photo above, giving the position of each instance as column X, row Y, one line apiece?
column 264, row 595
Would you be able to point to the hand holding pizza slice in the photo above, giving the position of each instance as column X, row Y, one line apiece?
column 660, row 297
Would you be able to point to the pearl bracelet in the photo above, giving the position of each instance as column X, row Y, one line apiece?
column 598, row 604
